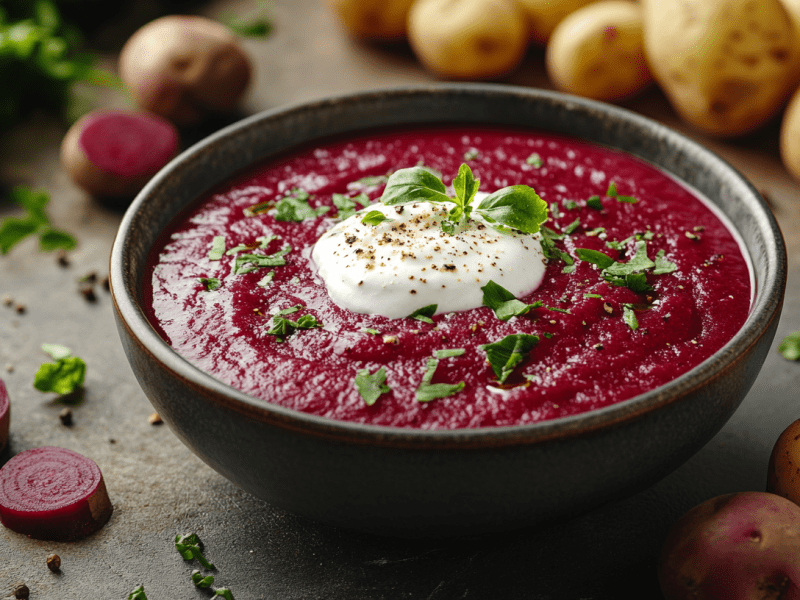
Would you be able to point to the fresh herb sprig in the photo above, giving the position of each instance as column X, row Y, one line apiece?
column 516, row 207
column 189, row 548
column 36, row 222
column 428, row 391
column 504, row 355
column 371, row 386
column 504, row 304
column 137, row 594
column 283, row 327
column 631, row 274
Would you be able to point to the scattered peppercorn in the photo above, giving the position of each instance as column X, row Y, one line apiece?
column 20, row 308
column 106, row 283
column 54, row 562
column 62, row 259
column 21, row 592
column 155, row 419
column 87, row 291
column 7, row 300
column 66, row 417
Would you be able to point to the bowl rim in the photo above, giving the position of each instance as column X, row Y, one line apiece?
column 765, row 306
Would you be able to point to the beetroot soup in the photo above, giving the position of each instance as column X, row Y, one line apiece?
column 434, row 314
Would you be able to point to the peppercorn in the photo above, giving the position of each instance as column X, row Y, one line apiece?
column 54, row 562
column 21, row 592
column 66, row 417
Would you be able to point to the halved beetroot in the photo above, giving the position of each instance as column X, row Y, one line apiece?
column 53, row 493
column 113, row 153
column 5, row 415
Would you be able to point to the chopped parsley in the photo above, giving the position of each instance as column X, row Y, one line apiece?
column 245, row 263
column 549, row 247
column 631, row 274
column 283, row 327
column 202, row 582
column 449, row 352
column 64, row 376
column 210, row 283
column 561, row 310
column 601, row 260
column 663, row 266
column 534, row 160
column 347, row 207
column 504, row 355
column 629, row 316
column 295, row 207
column 428, row 391
column 370, row 386
column 504, row 304
column 222, row 593
column 594, row 202
column 217, row 248
column 371, row 331
column 258, row 27
column 374, row 217
column 569, row 229
column 189, row 548
column 266, row 279
column 425, row 313
column 137, row 594
column 790, row 346
column 612, row 193
column 517, row 207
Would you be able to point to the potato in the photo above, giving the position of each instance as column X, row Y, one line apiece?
column 184, row 68
column 783, row 472
column 468, row 39
column 597, row 52
column 727, row 66
column 373, row 19
column 544, row 15
column 741, row 546
column 113, row 153
column 790, row 140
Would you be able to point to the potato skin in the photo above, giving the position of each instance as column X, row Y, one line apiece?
column 790, row 148
column 382, row 20
column 544, row 15
column 468, row 39
column 727, row 66
column 185, row 67
column 742, row 546
column 597, row 52
column 783, row 472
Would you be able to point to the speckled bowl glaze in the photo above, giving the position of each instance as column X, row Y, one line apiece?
column 442, row 483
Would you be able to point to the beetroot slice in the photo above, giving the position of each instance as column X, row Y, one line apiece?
column 54, row 494
column 128, row 144
column 5, row 415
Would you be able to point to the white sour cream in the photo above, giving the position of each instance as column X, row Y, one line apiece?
column 408, row 262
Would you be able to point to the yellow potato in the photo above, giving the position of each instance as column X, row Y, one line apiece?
column 597, row 51
column 783, row 473
column 727, row 66
column 468, row 39
column 544, row 15
column 790, row 136
column 373, row 19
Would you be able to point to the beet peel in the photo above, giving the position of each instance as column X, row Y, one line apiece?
column 52, row 493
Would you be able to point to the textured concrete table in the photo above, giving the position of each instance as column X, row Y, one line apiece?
column 160, row 489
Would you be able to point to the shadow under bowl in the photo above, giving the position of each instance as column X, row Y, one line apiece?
column 423, row 483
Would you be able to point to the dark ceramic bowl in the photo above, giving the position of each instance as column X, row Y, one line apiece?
column 437, row 483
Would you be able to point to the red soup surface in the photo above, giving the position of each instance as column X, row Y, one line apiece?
column 599, row 343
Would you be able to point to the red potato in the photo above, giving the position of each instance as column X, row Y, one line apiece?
column 741, row 546
column 185, row 67
column 114, row 153
column 53, row 494
column 5, row 415
column 783, row 472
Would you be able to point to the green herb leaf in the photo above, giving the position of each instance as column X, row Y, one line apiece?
column 217, row 248
column 640, row 262
column 56, row 351
column 189, row 548
column 549, row 249
column 13, row 231
column 295, row 207
column 283, row 327
column 603, row 261
column 790, row 346
column 593, row 296
column 516, row 206
column 210, row 283
column 561, row 310
column 465, row 187
column 471, row 154
column 569, row 204
column 62, row 377
column 200, row 581
column 222, row 593
column 245, row 263
column 137, row 594
column 425, row 313
column 504, row 304
column 534, row 160
column 371, row 331
column 258, row 27
column 569, row 229
column 629, row 316
column 428, row 391
column 374, row 217
column 504, row 355
column 594, row 202
column 53, row 239
column 449, row 352
column 347, row 207
column 663, row 266
column 370, row 386
column 266, row 280
column 612, row 193
column 414, row 184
